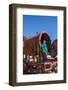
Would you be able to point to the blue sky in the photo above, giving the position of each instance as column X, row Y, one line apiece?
column 34, row 24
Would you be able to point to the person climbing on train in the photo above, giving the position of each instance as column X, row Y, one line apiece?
column 44, row 48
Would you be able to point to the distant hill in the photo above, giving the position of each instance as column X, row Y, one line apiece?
column 53, row 50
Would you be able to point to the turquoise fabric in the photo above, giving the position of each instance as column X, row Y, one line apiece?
column 44, row 47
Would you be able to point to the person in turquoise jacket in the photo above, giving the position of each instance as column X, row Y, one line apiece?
column 44, row 48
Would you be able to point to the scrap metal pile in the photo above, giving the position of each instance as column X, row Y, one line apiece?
column 35, row 67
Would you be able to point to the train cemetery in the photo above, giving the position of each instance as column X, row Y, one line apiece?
column 35, row 60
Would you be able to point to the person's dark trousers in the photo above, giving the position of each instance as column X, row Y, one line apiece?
column 44, row 57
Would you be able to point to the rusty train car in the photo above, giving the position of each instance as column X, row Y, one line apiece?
column 33, row 44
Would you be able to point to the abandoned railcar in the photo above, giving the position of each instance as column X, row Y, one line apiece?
column 33, row 44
